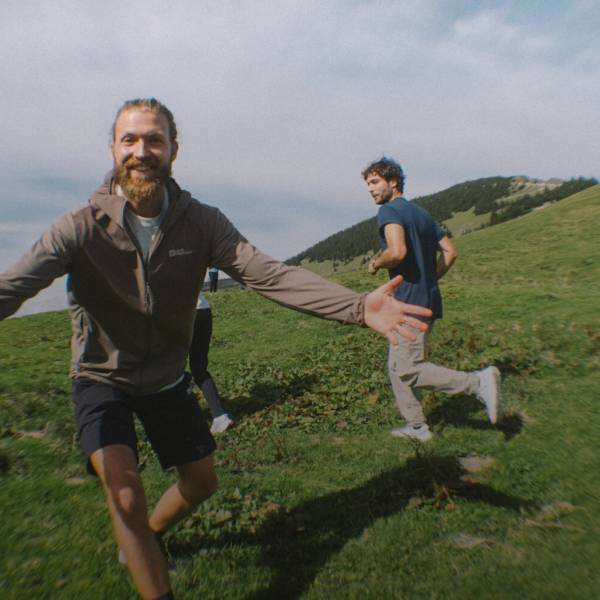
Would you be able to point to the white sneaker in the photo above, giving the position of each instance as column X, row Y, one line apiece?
column 421, row 432
column 221, row 423
column 489, row 393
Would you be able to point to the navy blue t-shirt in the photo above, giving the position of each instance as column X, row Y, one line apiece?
column 418, row 268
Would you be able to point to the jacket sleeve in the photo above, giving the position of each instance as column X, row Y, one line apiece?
column 292, row 287
column 48, row 259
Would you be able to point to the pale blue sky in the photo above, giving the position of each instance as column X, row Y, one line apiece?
column 280, row 105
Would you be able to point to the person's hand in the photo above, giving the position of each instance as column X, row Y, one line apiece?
column 389, row 317
column 371, row 267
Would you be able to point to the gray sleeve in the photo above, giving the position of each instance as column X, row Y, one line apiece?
column 48, row 259
column 292, row 287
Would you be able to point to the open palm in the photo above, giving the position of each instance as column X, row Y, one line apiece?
column 390, row 317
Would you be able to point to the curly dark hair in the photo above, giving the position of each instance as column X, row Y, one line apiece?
column 153, row 105
column 388, row 169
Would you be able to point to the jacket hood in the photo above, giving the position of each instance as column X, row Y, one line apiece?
column 108, row 202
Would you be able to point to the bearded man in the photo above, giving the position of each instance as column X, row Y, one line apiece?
column 136, row 256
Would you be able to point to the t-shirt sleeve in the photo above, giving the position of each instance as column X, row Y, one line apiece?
column 387, row 215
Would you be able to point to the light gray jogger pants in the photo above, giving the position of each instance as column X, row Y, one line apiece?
column 409, row 372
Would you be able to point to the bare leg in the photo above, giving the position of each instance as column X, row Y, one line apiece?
column 197, row 481
column 116, row 467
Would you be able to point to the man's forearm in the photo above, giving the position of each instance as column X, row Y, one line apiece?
column 386, row 260
column 443, row 265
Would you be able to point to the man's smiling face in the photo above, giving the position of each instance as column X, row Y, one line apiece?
column 142, row 152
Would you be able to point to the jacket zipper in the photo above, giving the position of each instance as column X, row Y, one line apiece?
column 148, row 300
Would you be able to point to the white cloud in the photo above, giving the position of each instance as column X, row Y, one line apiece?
column 280, row 105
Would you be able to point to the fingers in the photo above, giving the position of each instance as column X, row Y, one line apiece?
column 389, row 287
column 392, row 338
column 405, row 332
column 405, row 328
column 415, row 309
column 416, row 324
column 411, row 322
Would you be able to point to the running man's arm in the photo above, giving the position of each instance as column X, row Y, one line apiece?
column 395, row 252
column 447, row 256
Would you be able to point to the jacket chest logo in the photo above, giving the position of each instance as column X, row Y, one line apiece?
column 178, row 252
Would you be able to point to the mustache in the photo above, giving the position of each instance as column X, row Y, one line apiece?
column 135, row 163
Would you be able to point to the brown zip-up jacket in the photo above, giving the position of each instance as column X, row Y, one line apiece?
column 133, row 321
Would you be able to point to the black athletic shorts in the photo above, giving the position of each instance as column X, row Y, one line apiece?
column 172, row 420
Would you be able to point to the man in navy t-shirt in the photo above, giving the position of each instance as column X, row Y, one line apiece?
column 416, row 247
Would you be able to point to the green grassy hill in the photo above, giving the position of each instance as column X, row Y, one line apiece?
column 317, row 500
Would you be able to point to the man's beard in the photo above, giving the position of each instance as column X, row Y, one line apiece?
column 142, row 190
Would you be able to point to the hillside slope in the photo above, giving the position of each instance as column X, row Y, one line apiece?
column 316, row 499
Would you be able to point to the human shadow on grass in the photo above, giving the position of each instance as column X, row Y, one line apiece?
column 296, row 545
column 264, row 395
column 460, row 412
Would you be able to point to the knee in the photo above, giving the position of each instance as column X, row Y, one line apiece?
column 406, row 371
column 129, row 502
column 197, row 489
column 210, row 486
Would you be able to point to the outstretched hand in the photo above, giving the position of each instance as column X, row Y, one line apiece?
column 390, row 317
